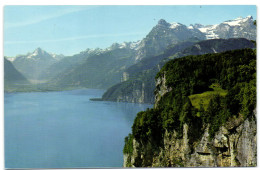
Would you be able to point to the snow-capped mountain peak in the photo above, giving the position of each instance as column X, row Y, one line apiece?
column 238, row 21
column 209, row 31
column 239, row 27
column 175, row 25
column 36, row 52
column 190, row 27
column 129, row 45
column 10, row 58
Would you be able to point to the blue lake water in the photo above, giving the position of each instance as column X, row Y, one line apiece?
column 65, row 129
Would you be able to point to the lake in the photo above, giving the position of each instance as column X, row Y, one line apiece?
column 65, row 129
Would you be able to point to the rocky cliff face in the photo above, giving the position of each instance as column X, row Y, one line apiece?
column 161, row 88
column 133, row 92
column 233, row 145
column 136, row 96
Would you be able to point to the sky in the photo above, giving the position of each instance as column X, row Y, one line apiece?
column 69, row 30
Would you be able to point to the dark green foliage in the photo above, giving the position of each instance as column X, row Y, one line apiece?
column 228, row 68
column 216, row 115
column 147, row 126
column 128, row 148
column 234, row 71
column 242, row 98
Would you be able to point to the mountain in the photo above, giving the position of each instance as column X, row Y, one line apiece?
column 237, row 28
column 165, row 34
column 139, row 85
column 12, row 76
column 204, row 114
column 33, row 64
column 66, row 64
column 215, row 46
column 153, row 46
column 85, row 69
column 100, row 70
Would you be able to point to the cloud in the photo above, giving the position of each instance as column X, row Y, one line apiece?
column 75, row 38
column 38, row 19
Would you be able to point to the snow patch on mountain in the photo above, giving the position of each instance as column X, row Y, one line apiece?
column 238, row 21
column 214, row 31
column 135, row 45
column 10, row 58
column 190, row 27
column 174, row 25
column 209, row 31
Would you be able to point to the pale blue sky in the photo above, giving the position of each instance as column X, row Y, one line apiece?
column 71, row 29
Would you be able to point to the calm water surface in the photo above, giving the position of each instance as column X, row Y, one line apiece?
column 66, row 129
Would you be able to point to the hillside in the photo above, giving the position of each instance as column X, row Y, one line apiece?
column 176, row 132
column 140, row 85
column 101, row 70
column 12, row 77
column 67, row 63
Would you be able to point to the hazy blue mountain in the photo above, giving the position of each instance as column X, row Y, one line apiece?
column 100, row 70
column 66, row 64
column 33, row 64
column 12, row 76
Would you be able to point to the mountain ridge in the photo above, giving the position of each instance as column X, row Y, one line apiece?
column 51, row 68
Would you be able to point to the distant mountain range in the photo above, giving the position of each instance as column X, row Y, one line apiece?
column 103, row 68
column 99, row 70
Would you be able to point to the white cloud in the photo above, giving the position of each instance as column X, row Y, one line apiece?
column 38, row 19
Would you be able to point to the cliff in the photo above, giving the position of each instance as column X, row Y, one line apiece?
column 139, row 90
column 233, row 145
column 216, row 128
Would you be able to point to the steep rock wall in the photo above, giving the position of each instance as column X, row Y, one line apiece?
column 233, row 145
